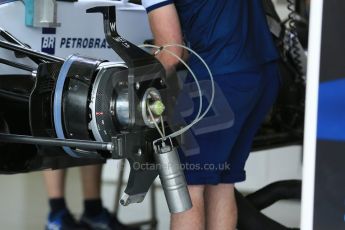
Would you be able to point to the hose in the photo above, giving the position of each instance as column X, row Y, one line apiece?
column 293, row 48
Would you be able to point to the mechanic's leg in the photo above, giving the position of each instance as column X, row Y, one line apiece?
column 91, row 182
column 195, row 217
column 95, row 216
column 55, row 186
column 55, row 183
column 221, row 209
column 59, row 215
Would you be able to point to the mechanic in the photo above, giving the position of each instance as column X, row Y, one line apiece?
column 232, row 36
column 95, row 216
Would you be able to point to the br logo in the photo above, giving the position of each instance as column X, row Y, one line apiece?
column 48, row 45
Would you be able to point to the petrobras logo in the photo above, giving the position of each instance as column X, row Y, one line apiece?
column 79, row 43
column 50, row 42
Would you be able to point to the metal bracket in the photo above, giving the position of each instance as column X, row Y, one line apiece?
column 137, row 148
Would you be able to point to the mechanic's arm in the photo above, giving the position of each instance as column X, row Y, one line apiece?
column 165, row 26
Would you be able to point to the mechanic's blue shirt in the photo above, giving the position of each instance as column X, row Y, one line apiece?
column 231, row 35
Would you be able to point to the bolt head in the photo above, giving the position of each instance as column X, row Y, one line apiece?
column 140, row 152
column 137, row 85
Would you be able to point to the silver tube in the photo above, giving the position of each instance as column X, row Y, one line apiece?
column 173, row 180
column 45, row 13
